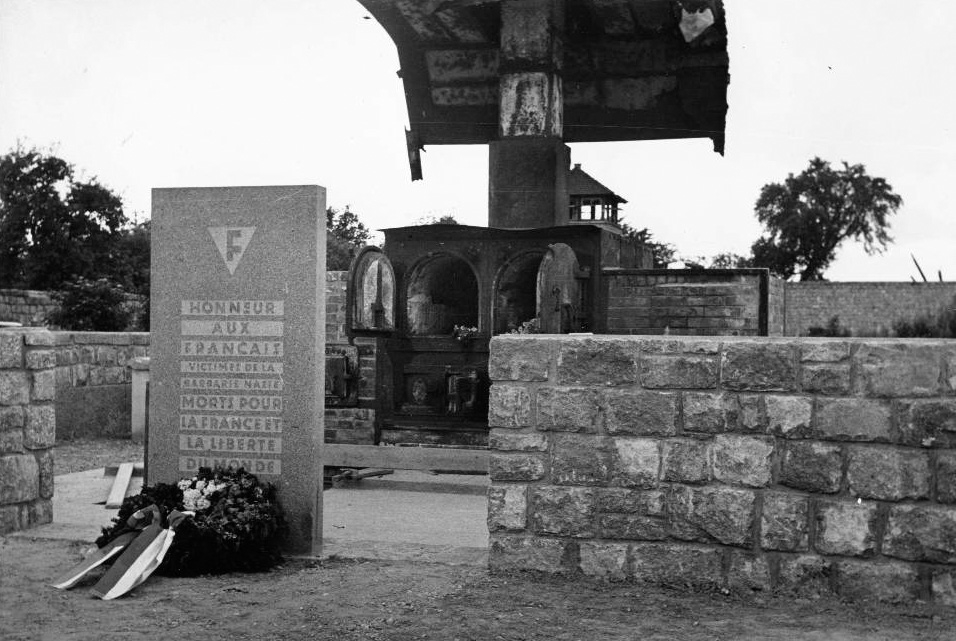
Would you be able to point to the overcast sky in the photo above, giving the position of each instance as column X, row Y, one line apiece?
column 143, row 93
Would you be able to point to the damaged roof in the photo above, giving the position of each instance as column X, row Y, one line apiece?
column 631, row 69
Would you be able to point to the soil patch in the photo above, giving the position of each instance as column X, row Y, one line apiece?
column 352, row 599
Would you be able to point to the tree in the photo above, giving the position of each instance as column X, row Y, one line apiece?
column 663, row 252
column 730, row 260
column 53, row 227
column 807, row 218
column 345, row 235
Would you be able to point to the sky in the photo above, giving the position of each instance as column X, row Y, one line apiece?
column 143, row 94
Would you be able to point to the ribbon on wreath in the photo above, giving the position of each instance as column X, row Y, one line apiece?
column 143, row 544
column 142, row 557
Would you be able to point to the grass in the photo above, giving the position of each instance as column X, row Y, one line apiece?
column 84, row 454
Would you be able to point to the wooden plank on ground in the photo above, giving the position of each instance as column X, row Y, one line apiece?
column 120, row 485
column 405, row 458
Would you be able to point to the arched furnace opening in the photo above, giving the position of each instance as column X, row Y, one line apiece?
column 442, row 293
column 515, row 292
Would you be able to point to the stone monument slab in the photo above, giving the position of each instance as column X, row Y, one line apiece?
column 237, row 320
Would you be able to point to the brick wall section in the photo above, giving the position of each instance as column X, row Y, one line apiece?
column 336, row 284
column 867, row 309
column 797, row 465
column 27, row 428
column 684, row 302
column 26, row 307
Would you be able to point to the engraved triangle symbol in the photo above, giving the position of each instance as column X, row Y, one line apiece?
column 231, row 243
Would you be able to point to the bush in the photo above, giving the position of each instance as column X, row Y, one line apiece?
column 942, row 326
column 832, row 329
column 98, row 305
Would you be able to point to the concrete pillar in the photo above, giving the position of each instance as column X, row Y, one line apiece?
column 529, row 163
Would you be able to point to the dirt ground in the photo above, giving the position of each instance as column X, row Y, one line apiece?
column 345, row 600
column 84, row 454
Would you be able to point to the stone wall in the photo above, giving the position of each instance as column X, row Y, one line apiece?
column 711, row 302
column 27, row 433
column 93, row 380
column 336, row 284
column 27, row 307
column 866, row 309
column 800, row 465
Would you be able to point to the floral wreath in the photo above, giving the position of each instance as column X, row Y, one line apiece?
column 236, row 524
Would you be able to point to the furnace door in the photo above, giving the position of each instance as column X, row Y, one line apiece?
column 560, row 296
column 371, row 292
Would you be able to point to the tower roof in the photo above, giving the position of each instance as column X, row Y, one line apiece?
column 581, row 183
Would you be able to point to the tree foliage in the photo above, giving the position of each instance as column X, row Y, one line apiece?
column 53, row 226
column 730, row 260
column 807, row 217
column 663, row 253
column 345, row 235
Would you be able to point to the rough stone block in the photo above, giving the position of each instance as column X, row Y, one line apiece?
column 686, row 461
column 45, row 461
column 679, row 372
column 748, row 572
column 812, row 466
column 11, row 441
column 745, row 460
column 853, row 419
column 40, row 359
column 9, row 518
column 943, row 586
column 40, row 337
column 631, row 527
column 635, row 462
column 804, row 575
column 506, row 440
column 823, row 350
column 567, row 409
column 946, row 477
column 11, row 350
column 784, row 523
column 40, row 429
column 563, row 511
column 676, row 564
column 509, row 406
column 641, row 413
column 12, row 418
column 899, row 369
column 759, row 367
column 826, row 378
column 516, row 467
column 789, row 416
column 887, row 473
column 34, row 513
column 507, row 507
column 14, row 387
column 508, row 552
column 598, row 362
column 846, row 528
column 688, row 345
column 580, row 460
column 19, row 478
column 866, row 581
column 751, row 413
column 921, row 533
column 708, row 413
column 604, row 560
column 627, row 501
column 706, row 514
column 928, row 423
column 520, row 359
column 44, row 385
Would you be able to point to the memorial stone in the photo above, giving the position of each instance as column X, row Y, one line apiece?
column 237, row 341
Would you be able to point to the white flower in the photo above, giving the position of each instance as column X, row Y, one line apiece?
column 184, row 484
column 200, row 485
column 190, row 498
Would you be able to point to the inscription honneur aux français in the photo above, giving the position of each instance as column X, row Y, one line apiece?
column 231, row 385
